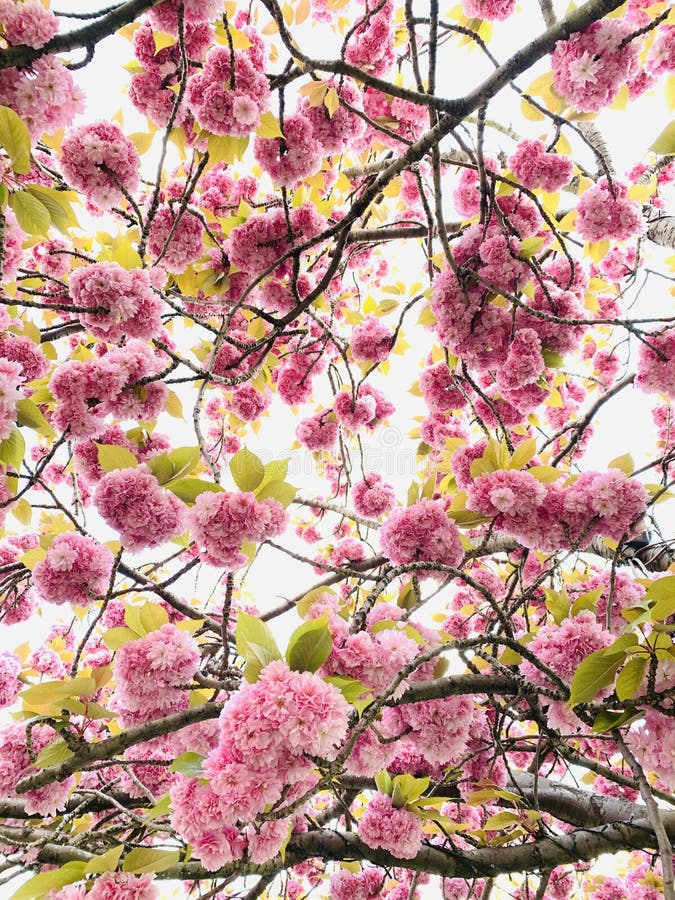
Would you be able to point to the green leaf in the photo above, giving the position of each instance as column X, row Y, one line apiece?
column 624, row 463
column 350, row 688
column 665, row 142
column 161, row 808
column 247, row 470
column 281, row 491
column 310, row 645
column 630, row 677
column 28, row 414
column 53, row 754
column 189, row 764
column 188, row 489
column 523, row 453
column 595, row 672
column 31, row 213
column 12, row 450
column 501, row 820
column 183, row 460
column 15, row 139
column 663, row 591
column 105, row 862
column 407, row 789
column 384, row 782
column 303, row 606
column 255, row 644
column 53, row 691
column 145, row 859
column 57, row 204
column 153, row 616
column 111, row 457
column 558, row 604
column 115, row 638
column 40, row 885
column 160, row 467
column 606, row 720
column 588, row 600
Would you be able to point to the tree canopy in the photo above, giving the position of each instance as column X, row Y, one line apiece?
column 313, row 578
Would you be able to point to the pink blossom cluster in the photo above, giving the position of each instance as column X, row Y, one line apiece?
column 86, row 452
column 371, row 341
column 653, row 742
column 422, row 532
column 19, row 349
column 524, row 362
column 267, row 732
column 394, row 829
column 75, row 570
column 319, row 432
column 220, row 522
column 143, row 512
column 45, row 96
column 367, row 409
column 123, row 886
column 551, row 516
column 337, row 132
column 151, row 673
column 534, row 167
column 440, row 390
column 656, row 369
column 229, row 101
column 604, row 212
column 373, row 497
column 122, row 301
column 101, row 162
column 15, row 764
column 439, row 730
column 247, row 403
column 27, row 23
column 590, row 67
column 259, row 242
column 10, row 666
column 164, row 16
column 624, row 589
column 88, row 390
column 492, row 10
column 661, row 57
column 175, row 239
column 370, row 45
column 403, row 118
column 11, row 380
column 14, row 237
column 346, row 885
column 289, row 159
column 563, row 647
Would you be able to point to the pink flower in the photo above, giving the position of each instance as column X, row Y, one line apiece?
column 422, row 532
column 27, row 23
column 505, row 491
column 563, row 647
column 129, row 304
column 319, row 432
column 373, row 497
column 10, row 666
column 11, row 380
column 605, row 213
column 226, row 102
column 75, row 570
column 99, row 160
column 123, row 886
column 175, row 243
column 143, row 512
column 298, row 155
column 372, row 341
column 536, row 168
column 396, row 830
column 656, row 371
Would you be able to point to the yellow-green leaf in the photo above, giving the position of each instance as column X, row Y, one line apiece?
column 269, row 126
column 665, row 142
column 15, row 139
column 12, row 450
column 28, row 414
column 53, row 754
column 145, row 859
column 630, row 677
column 247, row 470
column 112, row 456
column 40, row 885
column 310, row 645
column 31, row 213
column 105, row 862
column 58, row 205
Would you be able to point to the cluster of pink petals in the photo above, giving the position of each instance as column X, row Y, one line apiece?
column 438, row 729
column 524, row 361
column 27, row 23
column 492, row 10
column 553, row 516
column 371, row 341
column 11, row 380
column 440, row 390
column 267, row 732
column 228, row 102
column 656, row 363
column 247, row 403
column 44, row 96
column 123, row 886
column 164, row 16
column 87, row 391
column 534, row 167
column 10, row 666
column 661, row 57
column 563, row 647
column 370, row 44
column 151, row 673
column 143, row 512
column 17, row 348
column 320, row 432
column 15, row 764
column 101, row 162
column 421, row 533
column 346, row 885
column 259, row 242
column 373, row 497
column 75, row 570
column 653, row 742
column 86, row 452
column 130, row 305
column 367, row 409
column 337, row 132
column 590, row 67
column 289, row 159
column 604, row 212
column 175, row 242
column 397, row 830
column 220, row 522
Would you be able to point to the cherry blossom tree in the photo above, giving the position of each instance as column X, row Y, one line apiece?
column 257, row 674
